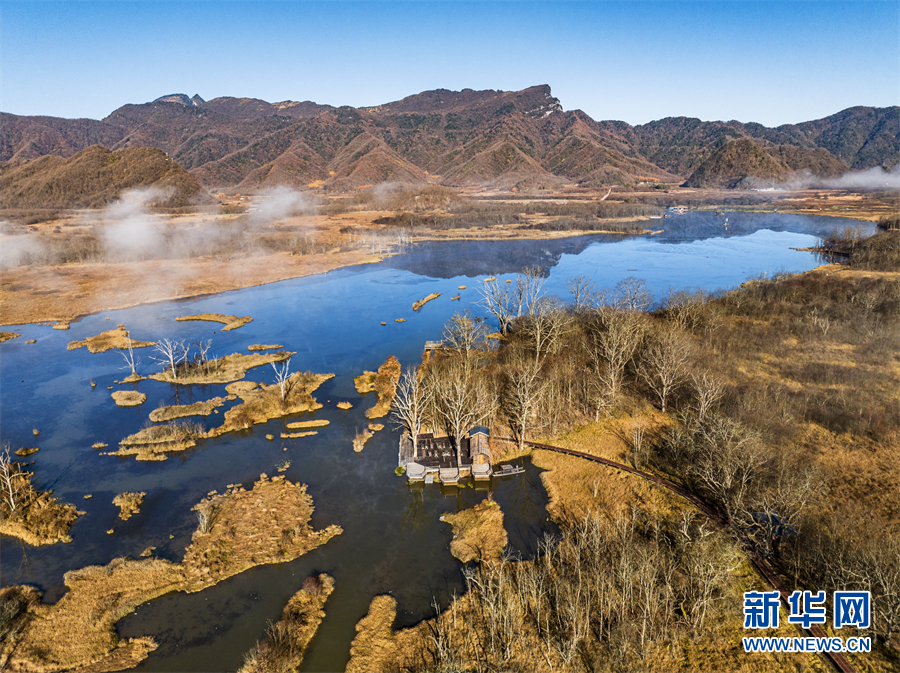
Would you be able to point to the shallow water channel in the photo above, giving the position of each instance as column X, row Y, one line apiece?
column 393, row 541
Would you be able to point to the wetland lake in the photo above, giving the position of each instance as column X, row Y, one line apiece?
column 393, row 541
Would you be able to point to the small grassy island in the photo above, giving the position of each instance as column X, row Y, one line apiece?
column 33, row 516
column 114, row 338
column 230, row 321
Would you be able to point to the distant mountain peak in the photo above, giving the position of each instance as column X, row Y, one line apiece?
column 181, row 98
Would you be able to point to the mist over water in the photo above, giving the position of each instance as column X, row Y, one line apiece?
column 392, row 541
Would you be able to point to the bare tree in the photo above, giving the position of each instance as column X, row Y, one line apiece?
column 498, row 299
column 525, row 385
column 664, row 364
column 10, row 480
column 464, row 332
column 130, row 361
column 545, row 325
column 616, row 336
column 172, row 353
column 632, row 293
column 283, row 377
column 583, row 292
column 708, row 392
column 462, row 398
column 529, row 287
column 411, row 405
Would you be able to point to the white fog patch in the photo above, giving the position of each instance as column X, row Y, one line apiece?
column 130, row 231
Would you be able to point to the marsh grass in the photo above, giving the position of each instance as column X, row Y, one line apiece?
column 129, row 503
column 114, row 338
column 153, row 442
column 478, row 533
column 79, row 631
column 385, row 386
column 202, row 408
column 265, row 402
column 38, row 518
column 285, row 643
column 129, row 398
column 226, row 369
column 231, row 322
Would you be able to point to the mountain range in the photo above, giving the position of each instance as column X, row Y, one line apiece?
column 490, row 139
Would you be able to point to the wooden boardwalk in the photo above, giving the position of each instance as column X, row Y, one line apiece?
column 837, row 660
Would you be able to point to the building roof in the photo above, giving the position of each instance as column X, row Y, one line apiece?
column 479, row 429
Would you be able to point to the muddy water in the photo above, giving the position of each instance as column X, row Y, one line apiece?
column 393, row 541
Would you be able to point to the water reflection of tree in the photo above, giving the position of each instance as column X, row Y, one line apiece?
column 415, row 516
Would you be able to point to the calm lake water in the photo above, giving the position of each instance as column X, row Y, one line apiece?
column 393, row 541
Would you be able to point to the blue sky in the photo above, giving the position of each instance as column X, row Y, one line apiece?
column 769, row 62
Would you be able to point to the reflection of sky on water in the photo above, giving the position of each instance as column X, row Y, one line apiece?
column 393, row 541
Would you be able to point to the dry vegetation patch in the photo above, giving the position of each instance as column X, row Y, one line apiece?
column 230, row 321
column 286, row 640
column 129, row 398
column 239, row 387
column 298, row 435
column 385, row 386
column 23, row 452
column 6, row 336
column 114, row 338
column 268, row 401
column 363, row 436
column 155, row 441
column 263, row 347
column 240, row 529
column 31, row 515
column 202, row 408
column 419, row 304
column 344, row 405
column 376, row 646
column 313, row 423
column 365, row 382
column 129, row 503
column 478, row 533
column 221, row 370
column 79, row 629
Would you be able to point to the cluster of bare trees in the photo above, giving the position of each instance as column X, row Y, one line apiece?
column 601, row 596
column 175, row 357
column 13, row 484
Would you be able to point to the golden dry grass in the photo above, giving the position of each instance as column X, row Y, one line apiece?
column 6, row 336
column 269, row 524
column 265, row 403
column 478, row 533
column 286, row 641
column 114, row 338
column 26, row 451
column 225, row 369
column 239, row 387
column 202, row 408
column 129, row 503
column 385, row 386
column 376, row 647
column 359, row 441
column 79, row 629
column 263, row 347
column 365, row 382
column 314, row 423
column 154, row 442
column 298, row 435
column 419, row 304
column 577, row 487
column 39, row 518
column 129, row 398
column 230, row 321
column 344, row 405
